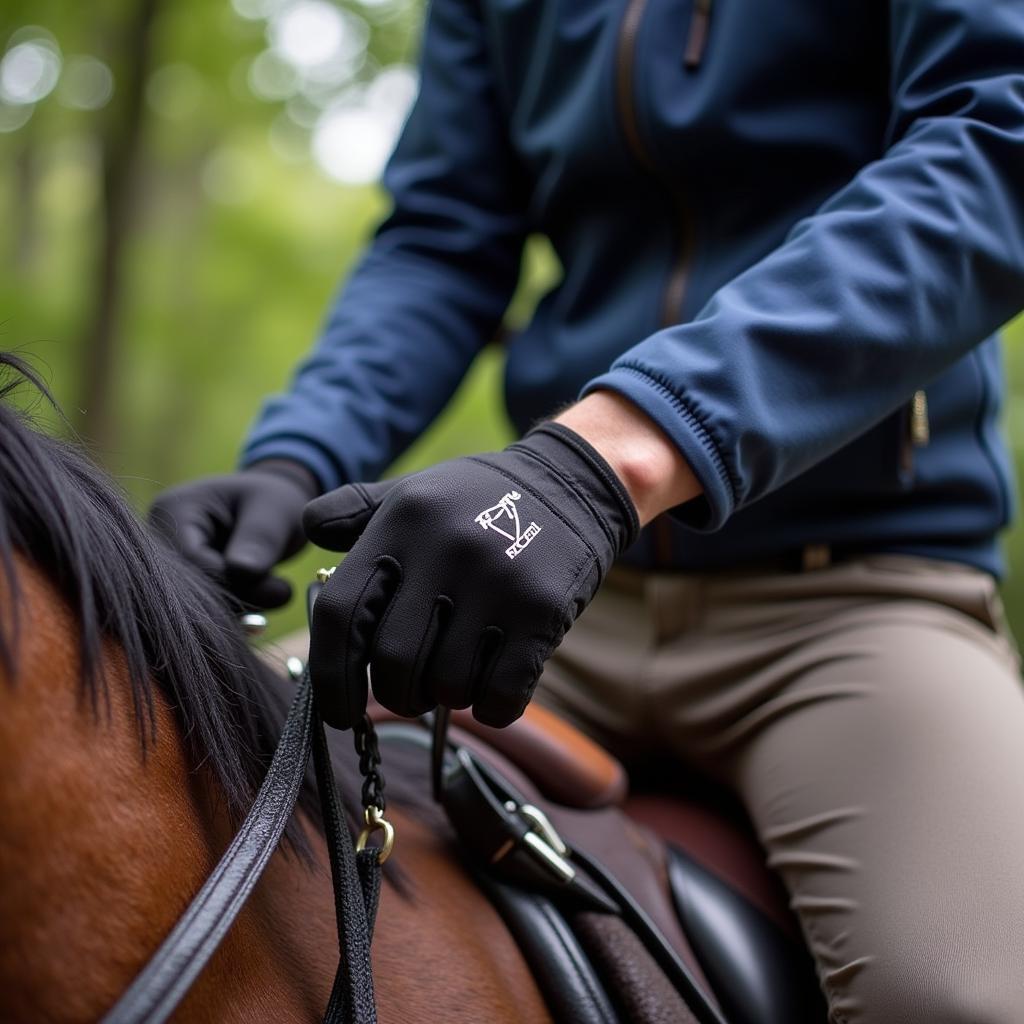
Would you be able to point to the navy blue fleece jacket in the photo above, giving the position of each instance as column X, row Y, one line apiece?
column 789, row 233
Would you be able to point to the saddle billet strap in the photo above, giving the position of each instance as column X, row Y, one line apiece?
column 502, row 829
column 158, row 989
column 513, row 840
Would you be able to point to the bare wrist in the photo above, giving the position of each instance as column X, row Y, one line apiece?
column 651, row 468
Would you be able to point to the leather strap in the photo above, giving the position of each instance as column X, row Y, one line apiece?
column 158, row 989
column 352, row 999
column 155, row 993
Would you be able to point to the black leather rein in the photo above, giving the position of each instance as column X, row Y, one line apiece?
column 163, row 982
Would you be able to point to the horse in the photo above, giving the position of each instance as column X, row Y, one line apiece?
column 137, row 724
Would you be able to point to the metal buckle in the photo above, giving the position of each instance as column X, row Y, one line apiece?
column 542, row 841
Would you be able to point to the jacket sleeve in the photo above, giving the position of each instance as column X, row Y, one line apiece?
column 431, row 289
column 914, row 262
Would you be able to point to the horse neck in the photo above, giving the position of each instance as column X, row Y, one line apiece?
column 102, row 845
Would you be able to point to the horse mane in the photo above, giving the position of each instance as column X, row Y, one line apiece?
column 126, row 585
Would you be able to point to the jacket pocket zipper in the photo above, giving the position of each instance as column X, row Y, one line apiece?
column 916, row 431
column 675, row 288
column 679, row 272
column 697, row 37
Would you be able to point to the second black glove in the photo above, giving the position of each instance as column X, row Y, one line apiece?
column 463, row 578
column 237, row 527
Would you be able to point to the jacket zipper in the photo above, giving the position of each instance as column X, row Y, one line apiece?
column 675, row 288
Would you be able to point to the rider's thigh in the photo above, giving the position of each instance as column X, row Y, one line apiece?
column 595, row 679
column 885, row 776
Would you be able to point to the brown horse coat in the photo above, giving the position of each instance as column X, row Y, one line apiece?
column 102, row 847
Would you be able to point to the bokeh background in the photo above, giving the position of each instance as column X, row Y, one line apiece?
column 183, row 185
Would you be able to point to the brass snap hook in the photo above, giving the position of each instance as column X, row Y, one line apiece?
column 376, row 822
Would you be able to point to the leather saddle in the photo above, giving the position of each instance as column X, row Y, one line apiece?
column 632, row 900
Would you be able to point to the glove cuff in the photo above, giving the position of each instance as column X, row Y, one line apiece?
column 584, row 468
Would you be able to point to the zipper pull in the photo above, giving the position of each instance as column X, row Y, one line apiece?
column 920, row 430
column 697, row 38
column 916, row 432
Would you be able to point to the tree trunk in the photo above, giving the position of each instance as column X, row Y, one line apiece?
column 25, row 210
column 120, row 147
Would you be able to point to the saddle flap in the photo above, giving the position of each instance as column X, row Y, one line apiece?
column 760, row 974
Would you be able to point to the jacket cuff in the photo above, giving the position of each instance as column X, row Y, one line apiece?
column 308, row 456
column 688, row 433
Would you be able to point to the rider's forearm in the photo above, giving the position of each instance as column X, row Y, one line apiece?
column 650, row 467
column 433, row 286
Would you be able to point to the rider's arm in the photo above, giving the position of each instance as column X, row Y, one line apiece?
column 917, row 260
column 433, row 286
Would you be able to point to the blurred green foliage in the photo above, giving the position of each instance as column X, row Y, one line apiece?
column 235, row 243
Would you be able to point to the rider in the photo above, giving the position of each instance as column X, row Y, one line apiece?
column 788, row 238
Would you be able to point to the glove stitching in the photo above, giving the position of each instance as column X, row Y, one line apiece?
column 335, row 520
column 393, row 600
column 551, row 508
column 551, row 633
column 531, row 688
column 352, row 625
column 596, row 462
column 471, row 694
column 578, row 490
column 419, row 665
column 478, row 688
column 428, row 672
column 559, row 613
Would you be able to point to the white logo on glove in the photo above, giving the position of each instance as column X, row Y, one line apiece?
column 490, row 517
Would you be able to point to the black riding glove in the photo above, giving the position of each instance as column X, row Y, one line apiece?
column 237, row 527
column 465, row 577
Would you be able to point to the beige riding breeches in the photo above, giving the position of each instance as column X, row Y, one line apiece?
column 870, row 717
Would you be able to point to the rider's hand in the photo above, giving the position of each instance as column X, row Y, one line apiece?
column 465, row 576
column 237, row 527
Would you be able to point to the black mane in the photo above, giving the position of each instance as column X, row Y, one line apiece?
column 126, row 585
